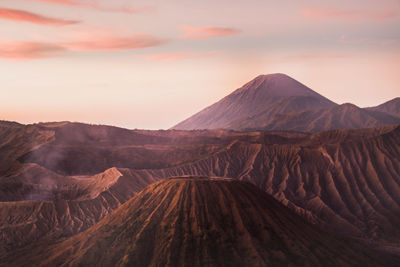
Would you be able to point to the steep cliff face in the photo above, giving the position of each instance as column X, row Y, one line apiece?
column 202, row 222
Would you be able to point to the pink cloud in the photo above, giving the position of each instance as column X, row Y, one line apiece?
column 181, row 55
column 63, row 2
column 96, row 5
column 20, row 15
column 22, row 50
column 36, row 50
column 200, row 33
column 337, row 13
column 107, row 43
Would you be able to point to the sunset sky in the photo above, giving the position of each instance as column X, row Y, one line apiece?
column 150, row 64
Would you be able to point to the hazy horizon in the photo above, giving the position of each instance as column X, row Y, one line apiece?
column 152, row 65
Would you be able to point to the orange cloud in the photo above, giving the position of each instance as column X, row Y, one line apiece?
column 96, row 5
column 337, row 13
column 200, row 33
column 182, row 55
column 20, row 15
column 28, row 50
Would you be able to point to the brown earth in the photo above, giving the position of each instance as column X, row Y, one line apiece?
column 346, row 116
column 391, row 107
column 17, row 140
column 345, row 181
column 201, row 222
column 76, row 206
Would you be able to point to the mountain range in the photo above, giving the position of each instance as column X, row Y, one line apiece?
column 278, row 102
column 196, row 221
column 257, row 181
column 63, row 180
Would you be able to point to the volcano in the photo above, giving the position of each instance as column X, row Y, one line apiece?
column 195, row 221
column 279, row 102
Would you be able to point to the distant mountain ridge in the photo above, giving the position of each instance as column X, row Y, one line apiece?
column 345, row 116
column 391, row 107
column 279, row 102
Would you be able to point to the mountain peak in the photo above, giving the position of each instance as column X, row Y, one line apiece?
column 193, row 221
column 260, row 99
column 273, row 76
column 275, row 85
column 279, row 102
column 348, row 106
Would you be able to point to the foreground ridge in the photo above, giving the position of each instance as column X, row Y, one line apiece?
column 192, row 221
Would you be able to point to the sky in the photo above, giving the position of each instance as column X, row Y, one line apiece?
column 151, row 64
